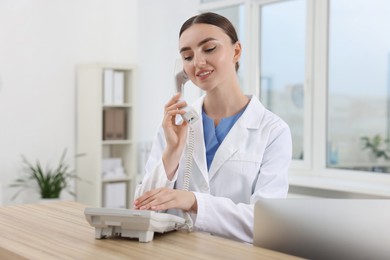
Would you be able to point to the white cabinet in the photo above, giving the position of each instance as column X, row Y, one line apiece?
column 107, row 165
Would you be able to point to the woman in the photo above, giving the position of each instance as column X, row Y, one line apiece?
column 241, row 151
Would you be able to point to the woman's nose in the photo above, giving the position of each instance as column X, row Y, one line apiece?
column 199, row 61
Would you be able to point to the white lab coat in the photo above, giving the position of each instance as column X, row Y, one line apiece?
column 251, row 163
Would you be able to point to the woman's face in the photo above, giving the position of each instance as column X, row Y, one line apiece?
column 208, row 55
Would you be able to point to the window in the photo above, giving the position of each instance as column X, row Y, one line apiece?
column 324, row 67
column 282, row 65
column 358, row 85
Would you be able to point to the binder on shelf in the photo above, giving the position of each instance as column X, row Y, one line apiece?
column 108, row 87
column 115, row 195
column 114, row 124
column 119, row 87
column 120, row 124
column 109, row 124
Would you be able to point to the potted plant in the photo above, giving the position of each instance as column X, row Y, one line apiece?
column 49, row 182
column 377, row 146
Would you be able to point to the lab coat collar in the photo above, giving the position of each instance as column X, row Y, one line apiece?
column 253, row 114
column 250, row 119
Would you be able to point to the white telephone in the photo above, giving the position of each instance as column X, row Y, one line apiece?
column 142, row 224
column 181, row 79
column 131, row 223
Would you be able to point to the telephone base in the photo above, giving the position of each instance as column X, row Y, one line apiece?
column 139, row 224
column 142, row 236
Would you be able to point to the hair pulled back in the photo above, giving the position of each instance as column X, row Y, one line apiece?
column 212, row 19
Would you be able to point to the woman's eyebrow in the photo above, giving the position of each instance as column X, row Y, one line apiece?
column 205, row 40
column 199, row 44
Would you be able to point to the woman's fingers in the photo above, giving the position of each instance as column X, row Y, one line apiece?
column 145, row 201
column 164, row 198
column 174, row 103
column 146, row 198
column 173, row 110
column 160, row 201
column 173, row 100
column 175, row 107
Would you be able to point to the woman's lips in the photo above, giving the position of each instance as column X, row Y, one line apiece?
column 203, row 74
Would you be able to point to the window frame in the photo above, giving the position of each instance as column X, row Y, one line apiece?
column 306, row 163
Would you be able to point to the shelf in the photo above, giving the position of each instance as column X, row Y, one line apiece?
column 95, row 105
column 120, row 179
column 126, row 105
column 115, row 142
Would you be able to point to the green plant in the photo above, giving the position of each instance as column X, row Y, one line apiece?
column 49, row 183
column 377, row 146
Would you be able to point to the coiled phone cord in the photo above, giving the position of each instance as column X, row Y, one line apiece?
column 189, row 154
column 187, row 173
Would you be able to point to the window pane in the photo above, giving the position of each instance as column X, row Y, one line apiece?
column 282, row 63
column 236, row 15
column 358, row 85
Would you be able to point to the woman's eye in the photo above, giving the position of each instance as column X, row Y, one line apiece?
column 188, row 58
column 210, row 49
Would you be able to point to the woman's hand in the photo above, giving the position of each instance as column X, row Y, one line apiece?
column 175, row 135
column 164, row 198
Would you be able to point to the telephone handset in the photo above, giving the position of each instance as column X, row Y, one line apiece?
column 142, row 224
column 181, row 79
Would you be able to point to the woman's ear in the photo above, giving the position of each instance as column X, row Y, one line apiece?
column 237, row 52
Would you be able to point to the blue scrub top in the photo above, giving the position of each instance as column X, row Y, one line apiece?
column 214, row 136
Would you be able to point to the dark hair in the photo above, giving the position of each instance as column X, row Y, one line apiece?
column 213, row 19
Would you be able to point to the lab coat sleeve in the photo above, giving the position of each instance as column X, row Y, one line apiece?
column 155, row 175
column 272, row 181
column 221, row 216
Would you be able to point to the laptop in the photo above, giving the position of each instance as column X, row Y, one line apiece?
column 324, row 228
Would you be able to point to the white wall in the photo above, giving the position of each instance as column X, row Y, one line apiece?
column 158, row 48
column 40, row 43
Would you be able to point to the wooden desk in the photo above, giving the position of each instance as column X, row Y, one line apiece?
column 60, row 231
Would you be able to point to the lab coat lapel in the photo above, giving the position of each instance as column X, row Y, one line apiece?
column 199, row 149
column 250, row 119
column 199, row 146
column 228, row 147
